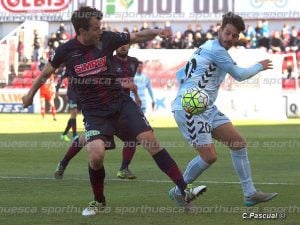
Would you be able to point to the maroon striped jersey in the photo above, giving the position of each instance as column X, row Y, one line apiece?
column 89, row 69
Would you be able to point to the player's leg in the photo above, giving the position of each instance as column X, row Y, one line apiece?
column 75, row 147
column 196, row 130
column 50, row 99
column 99, row 131
column 74, row 123
column 228, row 135
column 128, row 151
column 43, row 102
column 96, row 152
column 144, row 135
column 71, row 123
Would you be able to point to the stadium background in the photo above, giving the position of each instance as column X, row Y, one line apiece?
column 20, row 18
column 30, row 146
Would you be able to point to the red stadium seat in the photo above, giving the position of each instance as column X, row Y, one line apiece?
column 298, row 55
column 27, row 82
column 17, row 82
column 289, row 83
column 36, row 73
column 27, row 74
column 34, row 66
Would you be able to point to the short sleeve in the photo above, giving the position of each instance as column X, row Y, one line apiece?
column 56, row 58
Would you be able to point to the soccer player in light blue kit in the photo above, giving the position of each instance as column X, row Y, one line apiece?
column 143, row 82
column 207, row 69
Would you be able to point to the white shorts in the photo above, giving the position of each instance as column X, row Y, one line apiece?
column 196, row 129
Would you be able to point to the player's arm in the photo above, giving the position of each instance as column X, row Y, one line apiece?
column 149, row 34
column 225, row 62
column 128, row 83
column 45, row 74
column 241, row 74
column 137, row 98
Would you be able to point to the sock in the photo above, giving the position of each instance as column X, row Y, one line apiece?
column 72, row 151
column 97, row 182
column 53, row 112
column 43, row 111
column 168, row 166
column 242, row 167
column 69, row 125
column 127, row 155
column 74, row 127
column 193, row 170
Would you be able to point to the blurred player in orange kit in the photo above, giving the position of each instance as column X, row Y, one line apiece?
column 47, row 93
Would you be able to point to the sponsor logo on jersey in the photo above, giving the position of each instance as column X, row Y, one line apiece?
column 91, row 67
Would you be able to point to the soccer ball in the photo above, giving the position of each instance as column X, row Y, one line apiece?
column 195, row 100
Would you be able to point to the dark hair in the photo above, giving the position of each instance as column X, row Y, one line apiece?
column 233, row 19
column 81, row 17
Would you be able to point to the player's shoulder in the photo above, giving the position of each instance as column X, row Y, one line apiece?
column 133, row 59
column 70, row 44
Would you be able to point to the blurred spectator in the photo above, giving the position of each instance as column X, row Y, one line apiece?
column 188, row 31
column 264, row 42
column 250, row 32
column 11, row 75
column 259, row 30
column 276, row 43
column 63, row 39
column 36, row 46
column 294, row 41
column 178, row 41
column 199, row 29
column 51, row 41
column 60, row 31
column 265, row 28
column 20, row 50
column 199, row 40
column 188, row 42
column 135, row 29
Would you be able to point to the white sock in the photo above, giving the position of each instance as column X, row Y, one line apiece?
column 193, row 170
column 241, row 165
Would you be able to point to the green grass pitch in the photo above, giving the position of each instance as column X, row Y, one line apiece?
column 30, row 149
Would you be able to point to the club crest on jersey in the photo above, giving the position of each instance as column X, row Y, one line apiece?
column 99, row 45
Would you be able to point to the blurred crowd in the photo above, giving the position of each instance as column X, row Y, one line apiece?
column 285, row 40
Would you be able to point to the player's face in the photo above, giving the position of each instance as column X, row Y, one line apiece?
column 93, row 34
column 123, row 50
column 140, row 68
column 228, row 36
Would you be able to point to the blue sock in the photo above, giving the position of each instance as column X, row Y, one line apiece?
column 242, row 167
column 193, row 170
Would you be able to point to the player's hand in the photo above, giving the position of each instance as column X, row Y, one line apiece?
column 27, row 101
column 165, row 33
column 153, row 106
column 267, row 64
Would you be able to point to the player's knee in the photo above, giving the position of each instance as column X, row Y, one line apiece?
column 239, row 144
column 148, row 141
column 82, row 141
column 96, row 150
column 210, row 158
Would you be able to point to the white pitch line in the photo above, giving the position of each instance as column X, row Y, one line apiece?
column 146, row 181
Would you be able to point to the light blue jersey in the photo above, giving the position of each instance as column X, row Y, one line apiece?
column 143, row 83
column 207, row 69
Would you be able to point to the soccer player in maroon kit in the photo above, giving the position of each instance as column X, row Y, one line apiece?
column 105, row 107
column 124, row 68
